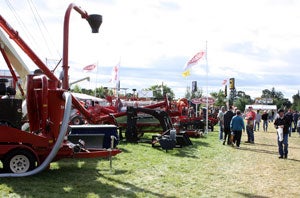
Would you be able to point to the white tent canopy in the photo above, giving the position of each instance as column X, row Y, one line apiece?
column 262, row 107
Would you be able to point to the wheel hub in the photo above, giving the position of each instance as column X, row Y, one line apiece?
column 19, row 164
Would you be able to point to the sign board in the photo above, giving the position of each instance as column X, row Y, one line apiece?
column 196, row 101
column 262, row 107
column 263, row 101
column 203, row 100
column 145, row 93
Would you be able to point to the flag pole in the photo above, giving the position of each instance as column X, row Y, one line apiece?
column 206, row 65
column 96, row 79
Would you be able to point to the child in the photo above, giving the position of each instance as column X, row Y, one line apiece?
column 298, row 126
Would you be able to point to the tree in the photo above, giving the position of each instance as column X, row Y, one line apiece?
column 159, row 91
column 241, row 100
column 278, row 98
column 76, row 89
column 197, row 94
column 191, row 95
column 272, row 94
column 102, row 92
column 286, row 103
column 188, row 94
column 220, row 98
column 296, row 102
column 87, row 91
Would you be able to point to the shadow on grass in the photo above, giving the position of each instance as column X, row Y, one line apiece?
column 72, row 181
column 275, row 145
column 124, row 150
column 132, row 187
column 294, row 160
column 267, row 151
column 185, row 151
column 294, row 147
column 269, row 145
column 259, row 150
column 199, row 143
column 250, row 195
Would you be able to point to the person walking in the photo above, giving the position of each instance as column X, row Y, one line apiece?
column 289, row 115
column 272, row 116
column 295, row 120
column 227, row 131
column 264, row 118
column 237, row 126
column 221, row 122
column 298, row 126
column 257, row 121
column 282, row 124
column 250, row 117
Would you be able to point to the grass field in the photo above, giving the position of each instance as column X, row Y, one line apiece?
column 205, row 169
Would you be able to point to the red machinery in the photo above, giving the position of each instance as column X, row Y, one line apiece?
column 28, row 152
column 193, row 125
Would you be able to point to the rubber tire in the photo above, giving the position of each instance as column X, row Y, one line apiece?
column 25, row 159
column 77, row 120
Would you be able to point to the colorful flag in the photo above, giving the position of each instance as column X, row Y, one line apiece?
column 224, row 82
column 186, row 73
column 194, row 60
column 89, row 67
column 115, row 73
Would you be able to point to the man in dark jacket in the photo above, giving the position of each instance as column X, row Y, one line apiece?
column 289, row 116
column 227, row 119
column 283, row 122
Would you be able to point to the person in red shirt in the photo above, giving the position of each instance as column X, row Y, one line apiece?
column 250, row 117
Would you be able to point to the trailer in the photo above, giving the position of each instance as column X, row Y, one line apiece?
column 48, row 137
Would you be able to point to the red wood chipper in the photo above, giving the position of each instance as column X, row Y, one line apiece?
column 25, row 152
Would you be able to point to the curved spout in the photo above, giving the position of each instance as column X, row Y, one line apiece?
column 91, row 19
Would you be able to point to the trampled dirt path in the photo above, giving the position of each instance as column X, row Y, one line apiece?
column 258, row 168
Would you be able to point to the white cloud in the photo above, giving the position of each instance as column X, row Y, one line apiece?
column 257, row 39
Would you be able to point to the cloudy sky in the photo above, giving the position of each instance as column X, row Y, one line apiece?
column 254, row 41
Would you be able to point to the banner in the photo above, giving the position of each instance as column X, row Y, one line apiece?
column 194, row 60
column 115, row 73
column 186, row 73
column 89, row 67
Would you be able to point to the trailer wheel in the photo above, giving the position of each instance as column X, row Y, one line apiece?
column 19, row 161
column 77, row 120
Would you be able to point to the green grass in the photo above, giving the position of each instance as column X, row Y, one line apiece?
column 205, row 169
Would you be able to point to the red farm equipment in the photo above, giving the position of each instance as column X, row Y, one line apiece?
column 193, row 125
column 27, row 152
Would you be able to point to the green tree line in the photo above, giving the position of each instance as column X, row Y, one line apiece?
column 240, row 99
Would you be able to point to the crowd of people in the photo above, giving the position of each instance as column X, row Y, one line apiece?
column 233, row 122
